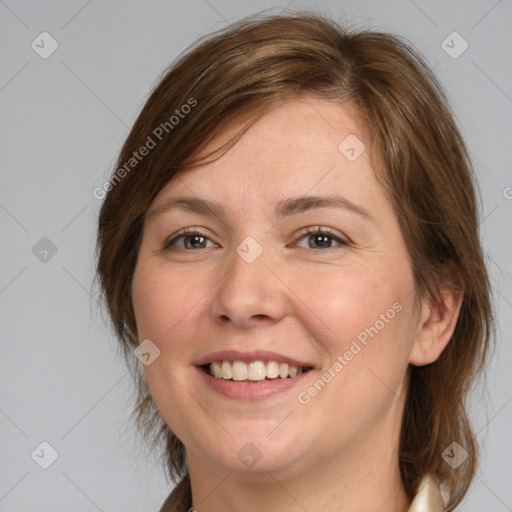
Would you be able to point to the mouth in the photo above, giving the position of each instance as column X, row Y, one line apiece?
column 253, row 372
column 251, row 376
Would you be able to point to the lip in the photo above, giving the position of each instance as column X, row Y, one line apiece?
column 247, row 391
column 247, row 357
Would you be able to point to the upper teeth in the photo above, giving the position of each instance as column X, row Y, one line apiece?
column 256, row 370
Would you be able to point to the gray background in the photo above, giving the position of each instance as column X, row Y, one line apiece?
column 63, row 120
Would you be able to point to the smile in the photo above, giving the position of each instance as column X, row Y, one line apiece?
column 253, row 371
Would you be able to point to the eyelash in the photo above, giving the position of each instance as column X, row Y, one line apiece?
column 316, row 230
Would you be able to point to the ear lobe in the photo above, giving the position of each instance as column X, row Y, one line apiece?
column 436, row 326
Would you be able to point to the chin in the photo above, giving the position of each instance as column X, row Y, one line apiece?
column 252, row 453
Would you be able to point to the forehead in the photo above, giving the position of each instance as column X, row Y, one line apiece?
column 303, row 144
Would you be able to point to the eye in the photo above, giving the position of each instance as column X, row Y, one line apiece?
column 321, row 238
column 192, row 240
column 318, row 238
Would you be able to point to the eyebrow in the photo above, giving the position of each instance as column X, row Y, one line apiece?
column 284, row 208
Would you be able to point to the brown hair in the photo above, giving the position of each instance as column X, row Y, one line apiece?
column 420, row 159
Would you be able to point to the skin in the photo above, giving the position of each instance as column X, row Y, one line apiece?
column 304, row 300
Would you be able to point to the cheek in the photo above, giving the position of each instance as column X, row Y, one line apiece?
column 162, row 299
column 354, row 304
column 163, row 303
column 365, row 318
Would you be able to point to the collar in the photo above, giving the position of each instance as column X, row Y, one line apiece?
column 428, row 498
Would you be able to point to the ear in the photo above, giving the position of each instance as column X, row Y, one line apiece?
column 436, row 326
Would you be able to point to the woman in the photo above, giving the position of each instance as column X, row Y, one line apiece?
column 289, row 244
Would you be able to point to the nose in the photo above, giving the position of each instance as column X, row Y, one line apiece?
column 250, row 293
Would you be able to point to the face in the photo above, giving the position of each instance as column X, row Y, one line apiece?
column 280, row 294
